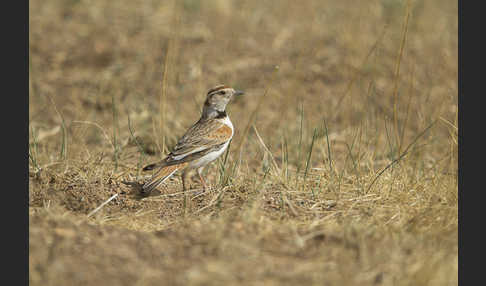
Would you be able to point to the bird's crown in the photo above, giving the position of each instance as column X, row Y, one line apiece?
column 217, row 88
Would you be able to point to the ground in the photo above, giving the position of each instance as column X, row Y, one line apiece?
column 342, row 170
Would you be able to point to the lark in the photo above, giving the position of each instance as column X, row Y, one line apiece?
column 203, row 143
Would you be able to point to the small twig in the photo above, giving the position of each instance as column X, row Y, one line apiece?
column 255, row 111
column 291, row 207
column 392, row 218
column 309, row 157
column 63, row 125
column 214, row 200
column 156, row 198
column 99, row 127
column 358, row 72
column 401, row 156
column 397, row 75
column 265, row 148
column 102, row 205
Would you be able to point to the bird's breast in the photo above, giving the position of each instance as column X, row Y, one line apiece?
column 226, row 121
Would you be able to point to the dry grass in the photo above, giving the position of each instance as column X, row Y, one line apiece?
column 346, row 174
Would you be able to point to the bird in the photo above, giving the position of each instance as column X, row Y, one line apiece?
column 202, row 143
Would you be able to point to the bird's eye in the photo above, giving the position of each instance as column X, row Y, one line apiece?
column 223, row 92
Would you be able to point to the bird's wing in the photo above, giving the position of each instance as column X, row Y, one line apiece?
column 202, row 138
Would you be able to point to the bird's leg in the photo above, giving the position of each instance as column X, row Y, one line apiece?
column 184, row 178
column 199, row 172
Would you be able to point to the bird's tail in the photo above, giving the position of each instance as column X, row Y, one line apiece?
column 158, row 178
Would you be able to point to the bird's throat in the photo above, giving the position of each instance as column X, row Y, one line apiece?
column 210, row 113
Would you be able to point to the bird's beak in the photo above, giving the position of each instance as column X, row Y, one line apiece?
column 239, row 92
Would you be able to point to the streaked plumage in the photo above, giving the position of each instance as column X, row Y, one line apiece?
column 205, row 141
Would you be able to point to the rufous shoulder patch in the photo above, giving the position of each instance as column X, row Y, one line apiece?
column 222, row 133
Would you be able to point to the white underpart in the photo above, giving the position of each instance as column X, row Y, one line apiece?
column 208, row 158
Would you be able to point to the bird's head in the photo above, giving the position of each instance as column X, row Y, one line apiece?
column 218, row 97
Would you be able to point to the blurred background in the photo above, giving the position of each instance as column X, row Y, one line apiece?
column 337, row 61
